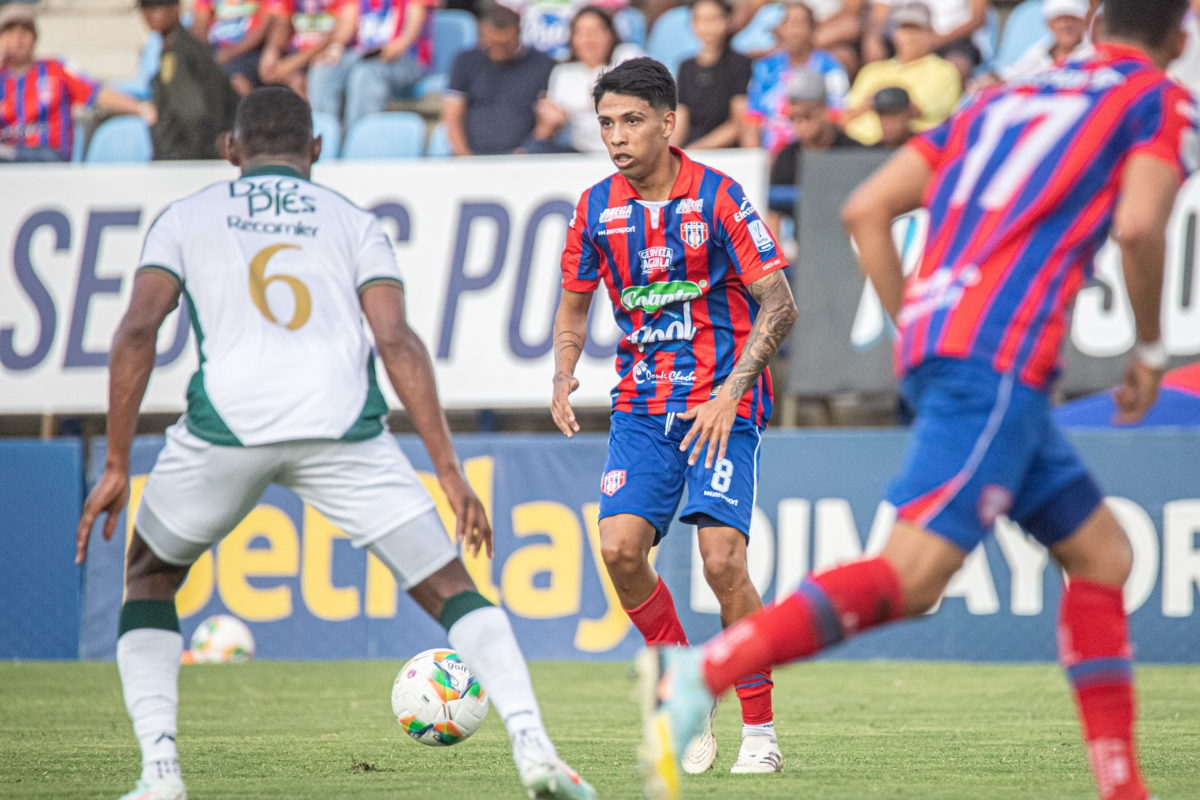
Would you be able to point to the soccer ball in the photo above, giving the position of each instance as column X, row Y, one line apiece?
column 437, row 700
column 222, row 639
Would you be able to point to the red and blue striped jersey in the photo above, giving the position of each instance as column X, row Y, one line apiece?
column 677, row 277
column 1025, row 182
column 35, row 105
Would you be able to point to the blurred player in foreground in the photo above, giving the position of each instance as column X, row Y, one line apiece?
column 286, row 393
column 697, row 286
column 1023, row 187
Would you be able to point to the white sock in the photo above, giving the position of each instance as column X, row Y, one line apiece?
column 148, row 660
column 767, row 730
column 485, row 641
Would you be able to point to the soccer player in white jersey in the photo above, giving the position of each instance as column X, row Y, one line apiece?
column 286, row 393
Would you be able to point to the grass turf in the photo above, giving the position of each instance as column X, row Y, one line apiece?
column 848, row 731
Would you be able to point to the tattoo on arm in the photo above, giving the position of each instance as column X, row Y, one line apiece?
column 776, row 314
column 568, row 347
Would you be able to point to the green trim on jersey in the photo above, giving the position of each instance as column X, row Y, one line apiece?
column 374, row 281
column 202, row 418
column 170, row 273
column 274, row 169
column 370, row 419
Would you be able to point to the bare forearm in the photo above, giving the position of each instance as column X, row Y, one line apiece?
column 570, row 333
column 724, row 135
column 776, row 315
column 130, row 365
column 880, row 261
column 452, row 116
column 410, row 371
column 1143, row 262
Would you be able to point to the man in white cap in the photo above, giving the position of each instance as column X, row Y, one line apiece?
column 1068, row 23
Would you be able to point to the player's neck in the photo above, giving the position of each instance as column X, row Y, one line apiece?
column 17, row 66
column 656, row 187
column 1159, row 55
column 268, row 162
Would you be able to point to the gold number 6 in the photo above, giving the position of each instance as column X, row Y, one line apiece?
column 259, row 283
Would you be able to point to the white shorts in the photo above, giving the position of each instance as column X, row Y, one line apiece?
column 198, row 492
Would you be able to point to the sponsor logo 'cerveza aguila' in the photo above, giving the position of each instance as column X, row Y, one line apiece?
column 656, row 260
column 653, row 297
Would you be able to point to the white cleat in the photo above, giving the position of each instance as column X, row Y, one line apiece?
column 169, row 788
column 701, row 751
column 759, row 754
column 544, row 775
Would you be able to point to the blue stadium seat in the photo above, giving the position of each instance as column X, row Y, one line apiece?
column 387, row 135
column 454, row 30
column 631, row 26
column 1025, row 27
column 439, row 143
column 121, row 140
column 759, row 35
column 671, row 39
column 139, row 85
column 330, row 130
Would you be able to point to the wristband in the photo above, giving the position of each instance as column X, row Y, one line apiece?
column 1152, row 354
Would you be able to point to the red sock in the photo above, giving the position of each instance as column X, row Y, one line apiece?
column 754, row 693
column 823, row 611
column 657, row 619
column 1093, row 645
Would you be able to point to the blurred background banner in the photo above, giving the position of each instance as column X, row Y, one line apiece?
column 478, row 242
column 842, row 339
column 307, row 594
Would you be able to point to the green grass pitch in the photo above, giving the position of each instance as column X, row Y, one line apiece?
column 848, row 731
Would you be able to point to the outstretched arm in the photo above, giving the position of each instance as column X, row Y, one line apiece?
column 410, row 371
column 570, row 333
column 155, row 295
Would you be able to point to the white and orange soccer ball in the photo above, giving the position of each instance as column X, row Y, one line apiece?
column 222, row 639
column 437, row 700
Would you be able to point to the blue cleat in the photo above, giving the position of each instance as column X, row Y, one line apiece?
column 675, row 704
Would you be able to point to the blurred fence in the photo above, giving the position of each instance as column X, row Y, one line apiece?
column 308, row 595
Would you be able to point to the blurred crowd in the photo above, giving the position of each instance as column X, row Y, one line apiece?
column 826, row 74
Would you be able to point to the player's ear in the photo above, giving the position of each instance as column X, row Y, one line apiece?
column 669, row 120
column 1178, row 43
column 230, row 149
column 315, row 150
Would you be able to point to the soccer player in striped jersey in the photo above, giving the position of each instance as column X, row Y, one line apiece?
column 697, row 286
column 1024, row 185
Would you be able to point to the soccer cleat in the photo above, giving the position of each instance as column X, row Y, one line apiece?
column 544, row 775
column 169, row 788
column 758, row 754
column 701, row 751
column 675, row 703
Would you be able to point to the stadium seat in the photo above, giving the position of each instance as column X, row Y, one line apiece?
column 121, row 140
column 759, row 35
column 454, row 30
column 439, row 143
column 1025, row 27
column 139, row 85
column 386, row 135
column 631, row 26
column 671, row 39
column 330, row 130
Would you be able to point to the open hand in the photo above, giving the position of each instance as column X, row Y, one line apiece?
column 472, row 528
column 108, row 496
column 560, row 407
column 1138, row 393
column 713, row 422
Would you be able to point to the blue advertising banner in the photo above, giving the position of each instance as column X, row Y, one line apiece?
column 307, row 594
column 41, row 494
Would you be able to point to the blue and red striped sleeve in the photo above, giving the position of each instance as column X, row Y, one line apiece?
column 932, row 144
column 580, row 258
column 751, row 247
column 1167, row 128
column 81, row 90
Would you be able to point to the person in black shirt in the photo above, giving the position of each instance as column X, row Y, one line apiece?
column 815, row 130
column 896, row 116
column 712, row 86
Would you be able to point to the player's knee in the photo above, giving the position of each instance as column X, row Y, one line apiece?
column 622, row 556
column 921, row 593
column 724, row 570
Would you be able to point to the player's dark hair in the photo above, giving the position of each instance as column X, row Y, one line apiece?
column 602, row 16
column 273, row 120
column 643, row 78
column 501, row 18
column 1148, row 21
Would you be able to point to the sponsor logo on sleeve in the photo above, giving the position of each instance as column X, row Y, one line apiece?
column 694, row 234
column 612, row 481
column 761, row 236
column 746, row 211
column 653, row 297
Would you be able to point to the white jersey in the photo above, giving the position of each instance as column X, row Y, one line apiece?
column 272, row 266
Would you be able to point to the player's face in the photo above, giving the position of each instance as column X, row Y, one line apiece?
column 809, row 119
column 710, row 23
column 16, row 45
column 1068, row 31
column 500, row 44
column 635, row 134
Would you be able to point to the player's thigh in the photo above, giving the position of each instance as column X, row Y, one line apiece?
column 975, row 435
column 724, row 495
column 1058, row 494
column 643, row 473
column 370, row 491
column 198, row 492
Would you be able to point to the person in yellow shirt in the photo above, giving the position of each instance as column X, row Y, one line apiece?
column 932, row 82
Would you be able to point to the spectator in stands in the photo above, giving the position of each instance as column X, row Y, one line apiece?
column 392, row 52
column 301, row 33
column 839, row 26
column 932, row 82
column 37, row 95
column 814, row 130
column 1186, row 69
column 957, row 24
column 566, row 116
column 546, row 24
column 713, row 85
column 767, row 122
column 236, row 31
column 489, row 107
column 1068, row 22
column 896, row 116
column 195, row 100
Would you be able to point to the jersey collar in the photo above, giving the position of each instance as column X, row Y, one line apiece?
column 681, row 188
column 1114, row 51
column 273, row 169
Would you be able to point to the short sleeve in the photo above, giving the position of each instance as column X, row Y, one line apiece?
column 931, row 145
column 752, row 249
column 376, row 260
column 687, row 83
column 837, row 86
column 580, row 258
column 459, row 73
column 1167, row 129
column 756, row 110
column 162, row 249
column 739, row 78
column 80, row 89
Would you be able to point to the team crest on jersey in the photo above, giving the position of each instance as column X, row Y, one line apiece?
column 612, row 481
column 656, row 260
column 694, row 234
column 689, row 205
